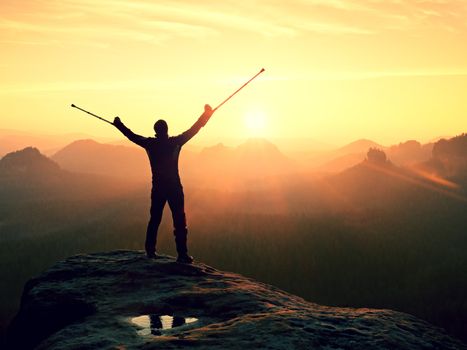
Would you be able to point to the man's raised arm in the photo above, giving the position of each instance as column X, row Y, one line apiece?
column 202, row 120
column 138, row 139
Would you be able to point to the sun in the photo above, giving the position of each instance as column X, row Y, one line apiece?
column 255, row 122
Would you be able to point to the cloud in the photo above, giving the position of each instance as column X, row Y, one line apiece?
column 367, row 75
column 157, row 22
column 106, row 21
column 150, row 85
column 384, row 15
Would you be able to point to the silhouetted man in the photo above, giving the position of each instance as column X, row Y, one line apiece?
column 163, row 152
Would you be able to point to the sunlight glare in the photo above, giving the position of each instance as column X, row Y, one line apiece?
column 255, row 122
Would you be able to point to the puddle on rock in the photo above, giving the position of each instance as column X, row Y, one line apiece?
column 154, row 324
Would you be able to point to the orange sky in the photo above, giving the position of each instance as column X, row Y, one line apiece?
column 336, row 70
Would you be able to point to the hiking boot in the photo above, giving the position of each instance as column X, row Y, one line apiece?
column 153, row 255
column 185, row 259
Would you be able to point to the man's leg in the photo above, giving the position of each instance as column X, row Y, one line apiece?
column 177, row 206
column 158, row 200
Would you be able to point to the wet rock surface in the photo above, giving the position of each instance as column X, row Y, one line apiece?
column 122, row 300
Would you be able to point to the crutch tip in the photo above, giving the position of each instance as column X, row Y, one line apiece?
column 72, row 105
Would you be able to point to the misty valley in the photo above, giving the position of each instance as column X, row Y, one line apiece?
column 361, row 227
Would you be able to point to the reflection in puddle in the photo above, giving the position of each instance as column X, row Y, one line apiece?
column 154, row 324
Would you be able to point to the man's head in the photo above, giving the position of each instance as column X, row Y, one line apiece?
column 161, row 128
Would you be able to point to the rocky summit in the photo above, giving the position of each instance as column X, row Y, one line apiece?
column 123, row 300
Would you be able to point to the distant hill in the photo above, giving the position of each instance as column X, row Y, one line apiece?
column 342, row 158
column 212, row 167
column 259, row 156
column 371, row 183
column 28, row 162
column 341, row 163
column 13, row 140
column 37, row 197
column 403, row 154
column 28, row 173
column 89, row 156
column 449, row 148
column 449, row 158
column 218, row 159
column 410, row 152
column 216, row 153
column 359, row 146
column 252, row 150
column 254, row 160
column 377, row 181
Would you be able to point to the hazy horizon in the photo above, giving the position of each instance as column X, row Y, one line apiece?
column 286, row 144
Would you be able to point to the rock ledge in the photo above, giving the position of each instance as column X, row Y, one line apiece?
column 92, row 301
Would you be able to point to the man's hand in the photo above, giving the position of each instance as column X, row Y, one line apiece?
column 208, row 111
column 117, row 121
